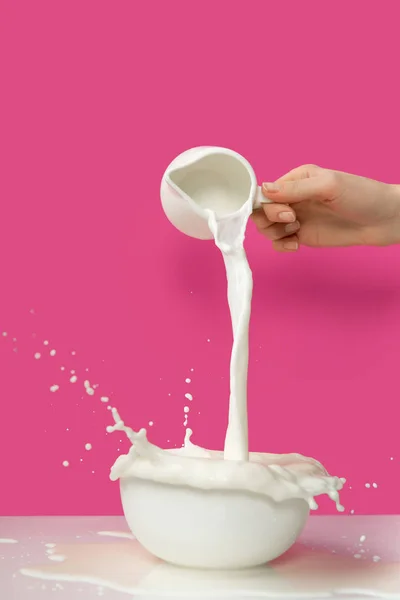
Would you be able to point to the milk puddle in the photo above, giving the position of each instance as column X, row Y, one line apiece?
column 124, row 566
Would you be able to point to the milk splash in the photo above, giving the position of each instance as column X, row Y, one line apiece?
column 277, row 476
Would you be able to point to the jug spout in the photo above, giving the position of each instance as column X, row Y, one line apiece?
column 204, row 179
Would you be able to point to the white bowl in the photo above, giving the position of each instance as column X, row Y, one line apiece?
column 210, row 529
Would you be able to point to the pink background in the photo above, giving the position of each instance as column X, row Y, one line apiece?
column 97, row 98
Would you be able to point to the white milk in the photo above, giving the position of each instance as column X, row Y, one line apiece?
column 277, row 476
column 124, row 566
column 229, row 237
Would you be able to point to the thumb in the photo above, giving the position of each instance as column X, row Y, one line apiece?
column 319, row 187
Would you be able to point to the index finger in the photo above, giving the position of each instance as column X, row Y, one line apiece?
column 298, row 185
column 303, row 172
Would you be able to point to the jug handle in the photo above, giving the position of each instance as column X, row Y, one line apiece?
column 260, row 198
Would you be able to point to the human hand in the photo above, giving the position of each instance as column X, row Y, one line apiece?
column 318, row 207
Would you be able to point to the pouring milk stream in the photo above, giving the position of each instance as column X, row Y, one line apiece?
column 219, row 190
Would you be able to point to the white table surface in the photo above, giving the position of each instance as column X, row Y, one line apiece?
column 329, row 560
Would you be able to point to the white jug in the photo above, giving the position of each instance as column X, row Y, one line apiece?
column 207, row 178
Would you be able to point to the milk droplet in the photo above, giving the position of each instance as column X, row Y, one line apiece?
column 57, row 557
column 117, row 534
column 375, row 485
column 357, row 556
column 208, row 340
column 186, row 409
column 151, row 423
column 352, row 512
column 88, row 388
column 188, row 380
column 88, row 446
column 73, row 379
column 37, row 355
column 363, row 538
column 191, row 370
column 105, row 399
column 368, row 485
column 189, row 397
column 46, row 342
column 376, row 558
column 73, row 353
column 391, row 458
column 53, row 352
column 62, row 368
column 65, row 463
column 54, row 388
column 4, row 334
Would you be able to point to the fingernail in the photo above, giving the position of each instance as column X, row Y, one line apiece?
column 271, row 187
column 292, row 227
column 287, row 217
column 291, row 246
